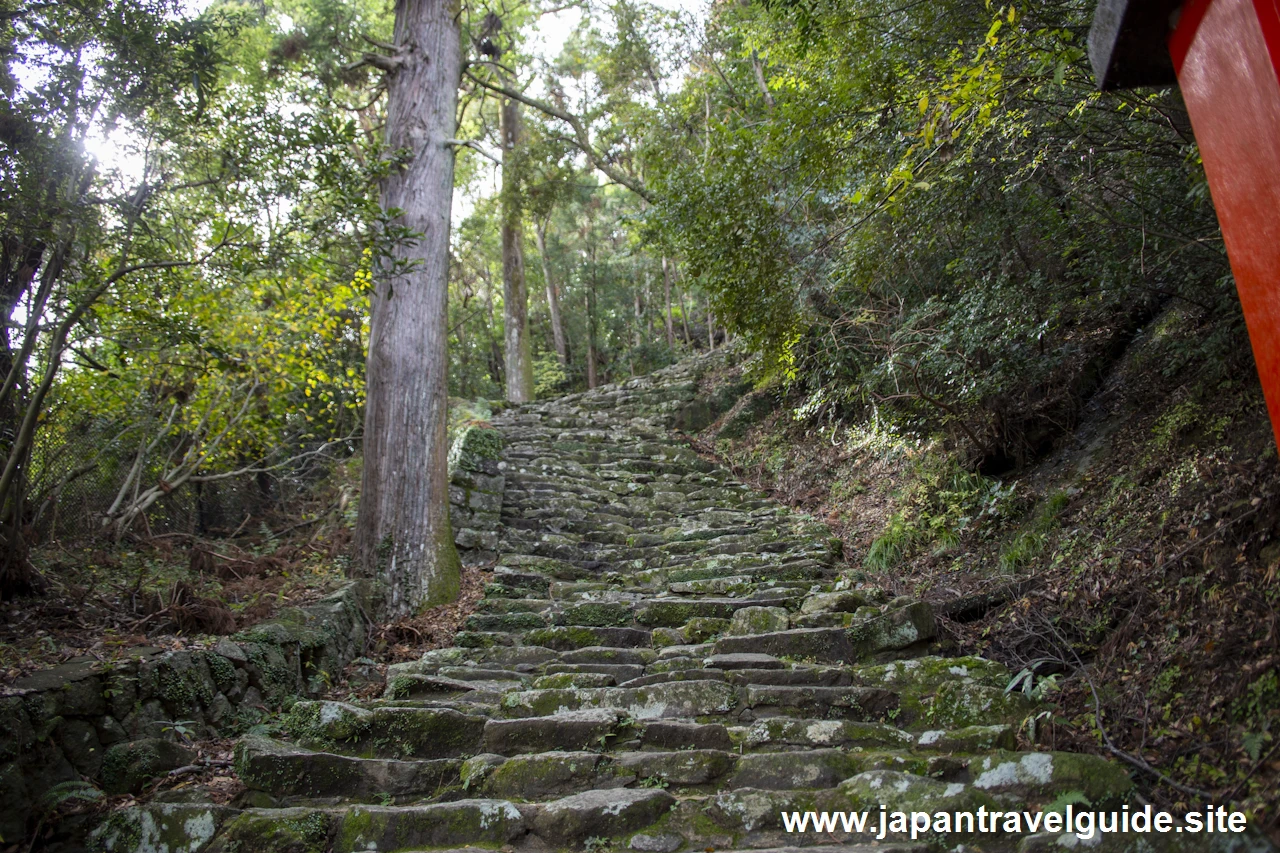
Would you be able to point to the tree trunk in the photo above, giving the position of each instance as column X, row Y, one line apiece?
column 593, row 378
column 403, row 536
column 553, row 298
column 496, row 370
column 515, row 301
column 666, row 288
column 711, row 328
column 684, row 309
column 637, row 333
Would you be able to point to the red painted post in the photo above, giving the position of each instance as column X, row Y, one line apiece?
column 1226, row 55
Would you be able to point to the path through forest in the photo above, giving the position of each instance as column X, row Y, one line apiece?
column 665, row 661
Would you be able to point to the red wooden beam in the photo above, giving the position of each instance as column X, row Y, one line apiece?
column 1226, row 55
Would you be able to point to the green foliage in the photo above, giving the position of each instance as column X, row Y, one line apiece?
column 1029, row 544
column 1067, row 798
column 66, row 792
column 916, row 216
column 942, row 502
column 549, row 376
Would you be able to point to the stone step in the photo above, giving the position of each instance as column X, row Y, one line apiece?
column 359, row 828
column 385, row 732
column 674, row 700
column 287, row 770
column 619, row 672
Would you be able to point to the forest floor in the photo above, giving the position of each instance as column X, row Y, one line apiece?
column 171, row 592
column 1132, row 572
column 184, row 593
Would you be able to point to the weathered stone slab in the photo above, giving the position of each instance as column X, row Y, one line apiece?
column 600, row 814
column 283, row 770
column 572, row 730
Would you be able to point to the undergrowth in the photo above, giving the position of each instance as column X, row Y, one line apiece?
column 1138, row 560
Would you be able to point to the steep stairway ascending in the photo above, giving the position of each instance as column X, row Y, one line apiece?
column 665, row 661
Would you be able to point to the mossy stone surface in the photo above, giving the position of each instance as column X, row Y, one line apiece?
column 1038, row 775
column 128, row 767
column 537, row 777
column 758, row 620
column 959, row 704
column 703, row 629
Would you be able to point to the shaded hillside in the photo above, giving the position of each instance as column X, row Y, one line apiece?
column 1133, row 570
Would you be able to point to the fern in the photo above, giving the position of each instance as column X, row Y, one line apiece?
column 65, row 792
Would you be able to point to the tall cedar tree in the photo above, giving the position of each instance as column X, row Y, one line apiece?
column 403, row 535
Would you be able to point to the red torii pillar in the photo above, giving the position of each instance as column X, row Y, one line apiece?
column 1225, row 55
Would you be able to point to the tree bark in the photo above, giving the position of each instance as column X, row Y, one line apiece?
column 684, row 315
column 553, row 298
column 496, row 369
column 711, row 328
column 403, row 537
column 666, row 287
column 640, row 295
column 593, row 378
column 515, row 293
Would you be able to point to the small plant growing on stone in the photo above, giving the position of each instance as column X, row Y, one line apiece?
column 1068, row 798
column 597, row 844
column 654, row 782
column 180, row 727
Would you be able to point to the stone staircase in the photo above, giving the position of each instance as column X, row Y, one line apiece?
column 665, row 661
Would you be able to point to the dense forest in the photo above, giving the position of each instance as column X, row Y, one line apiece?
column 237, row 285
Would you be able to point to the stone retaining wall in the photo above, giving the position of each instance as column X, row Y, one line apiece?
column 119, row 724
column 116, row 724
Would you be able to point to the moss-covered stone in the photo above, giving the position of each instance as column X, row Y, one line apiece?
column 465, row 822
column 672, row 613
column 704, row 629
column 758, row 620
column 908, row 792
column 680, row 768
column 503, row 621
column 682, row 699
column 164, row 828
column 930, row 672
column 563, row 680
column 968, row 739
column 385, row 732
column 1037, row 776
column 782, row 731
column 846, row 601
column 595, row 614
column 128, row 767
column 663, row 637
column 289, row 771
column 536, row 777
column 958, row 704
column 477, row 768
column 750, row 810
column 600, row 814
column 899, row 627
column 473, row 446
column 566, row 637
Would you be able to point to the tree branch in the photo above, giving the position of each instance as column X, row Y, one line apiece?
column 474, row 146
column 581, row 138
